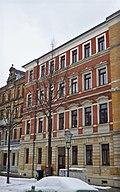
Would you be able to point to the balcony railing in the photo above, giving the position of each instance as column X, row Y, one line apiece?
column 12, row 142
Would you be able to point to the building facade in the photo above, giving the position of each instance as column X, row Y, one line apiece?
column 85, row 92
column 77, row 85
column 11, row 108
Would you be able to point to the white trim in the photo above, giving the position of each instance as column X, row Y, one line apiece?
column 60, row 111
column 27, row 100
column 32, row 69
column 102, row 35
column 98, row 108
column 42, row 118
column 73, row 109
column 83, row 51
column 76, row 48
column 83, row 82
column 64, row 54
column 87, row 103
column 49, row 65
column 44, row 64
column 74, row 77
column 97, row 75
column 64, row 88
column 26, row 126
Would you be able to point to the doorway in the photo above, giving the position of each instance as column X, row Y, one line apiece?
column 61, row 158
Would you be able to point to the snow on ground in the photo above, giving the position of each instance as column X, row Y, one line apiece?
column 23, row 184
column 16, row 184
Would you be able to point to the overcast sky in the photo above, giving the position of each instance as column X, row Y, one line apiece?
column 27, row 27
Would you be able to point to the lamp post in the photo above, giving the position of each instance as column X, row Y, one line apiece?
column 68, row 136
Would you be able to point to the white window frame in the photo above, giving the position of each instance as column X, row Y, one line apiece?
column 54, row 65
column 71, row 85
column 26, row 126
column 83, row 82
column 42, row 118
column 72, row 108
column 85, row 104
column 59, row 88
column 71, row 55
column 58, row 121
column 42, row 89
column 41, row 69
column 102, row 100
column 27, row 100
column 97, row 75
column 29, row 75
column 83, row 51
column 104, row 34
column 64, row 54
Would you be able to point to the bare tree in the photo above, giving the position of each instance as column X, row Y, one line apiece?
column 49, row 94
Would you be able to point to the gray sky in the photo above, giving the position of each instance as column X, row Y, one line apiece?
column 27, row 27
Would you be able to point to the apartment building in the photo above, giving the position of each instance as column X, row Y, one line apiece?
column 85, row 92
column 11, row 108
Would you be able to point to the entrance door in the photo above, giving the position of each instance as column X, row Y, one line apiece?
column 61, row 158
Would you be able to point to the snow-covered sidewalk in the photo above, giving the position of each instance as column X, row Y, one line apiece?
column 16, row 184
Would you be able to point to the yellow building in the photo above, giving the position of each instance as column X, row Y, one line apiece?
column 11, row 108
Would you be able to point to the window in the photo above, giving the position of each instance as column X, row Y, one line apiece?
column 52, row 67
column 15, row 112
column 27, row 156
column 9, row 95
column 20, row 132
column 4, row 159
column 87, row 50
column 42, row 71
column 74, row 155
column 41, row 96
column 30, row 75
column 61, row 89
column 15, row 133
column 87, row 116
column 8, row 114
column 62, row 62
column 2, row 114
column 102, row 76
column 74, row 118
column 105, row 154
column 28, row 127
column 18, row 91
column 87, row 81
column 39, row 155
column 29, row 100
column 61, row 121
column 101, row 44
column 13, row 159
column 40, row 125
column 74, row 56
column 51, row 94
column 74, row 85
column 89, row 155
column 103, row 114
column 21, row 110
